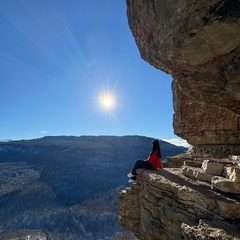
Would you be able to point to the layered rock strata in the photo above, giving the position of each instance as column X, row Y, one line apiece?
column 198, row 43
column 212, row 130
column 166, row 204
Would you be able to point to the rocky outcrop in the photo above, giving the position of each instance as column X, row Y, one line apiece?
column 177, row 203
column 207, row 127
column 198, row 43
column 204, row 231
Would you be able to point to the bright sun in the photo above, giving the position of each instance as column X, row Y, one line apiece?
column 107, row 102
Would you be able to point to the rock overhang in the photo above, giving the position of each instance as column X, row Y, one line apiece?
column 198, row 43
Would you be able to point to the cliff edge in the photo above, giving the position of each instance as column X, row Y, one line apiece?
column 196, row 196
column 200, row 200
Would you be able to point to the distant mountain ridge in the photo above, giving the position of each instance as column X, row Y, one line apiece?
column 67, row 185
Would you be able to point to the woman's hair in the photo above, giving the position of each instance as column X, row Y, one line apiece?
column 156, row 146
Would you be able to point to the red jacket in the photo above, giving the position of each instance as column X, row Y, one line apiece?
column 154, row 160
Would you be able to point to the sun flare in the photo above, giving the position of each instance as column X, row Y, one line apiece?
column 107, row 102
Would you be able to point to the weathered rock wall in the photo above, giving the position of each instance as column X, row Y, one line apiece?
column 203, row 123
column 198, row 43
column 164, row 204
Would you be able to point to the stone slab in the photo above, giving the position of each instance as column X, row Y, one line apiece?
column 212, row 167
column 197, row 174
column 225, row 185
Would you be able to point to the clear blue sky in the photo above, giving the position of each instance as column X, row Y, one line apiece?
column 57, row 58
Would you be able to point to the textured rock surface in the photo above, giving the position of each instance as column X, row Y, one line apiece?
column 212, row 167
column 204, row 231
column 162, row 200
column 197, row 174
column 224, row 175
column 232, row 173
column 203, row 124
column 198, row 43
column 225, row 185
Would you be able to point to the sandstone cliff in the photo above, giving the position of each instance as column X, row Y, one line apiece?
column 198, row 201
column 198, row 43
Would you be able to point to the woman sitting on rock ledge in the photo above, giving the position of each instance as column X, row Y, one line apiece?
column 153, row 161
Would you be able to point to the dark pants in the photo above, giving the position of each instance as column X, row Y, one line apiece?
column 141, row 164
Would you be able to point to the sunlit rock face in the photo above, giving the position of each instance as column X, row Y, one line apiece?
column 196, row 195
column 212, row 130
column 165, row 205
column 198, row 43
